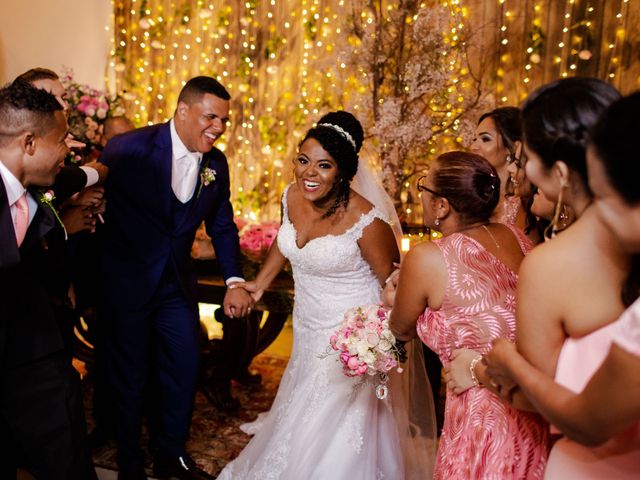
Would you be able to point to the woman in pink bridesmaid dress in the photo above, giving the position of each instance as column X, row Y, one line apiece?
column 569, row 291
column 595, row 400
column 459, row 291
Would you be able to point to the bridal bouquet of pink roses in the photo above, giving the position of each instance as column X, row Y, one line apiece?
column 366, row 345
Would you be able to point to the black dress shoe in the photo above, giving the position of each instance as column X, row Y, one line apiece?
column 123, row 475
column 99, row 437
column 179, row 468
column 220, row 398
column 248, row 378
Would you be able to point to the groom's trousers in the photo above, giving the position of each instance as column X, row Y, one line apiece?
column 158, row 343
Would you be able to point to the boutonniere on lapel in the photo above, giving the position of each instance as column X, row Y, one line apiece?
column 207, row 176
column 47, row 198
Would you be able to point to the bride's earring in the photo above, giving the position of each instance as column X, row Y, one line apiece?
column 436, row 223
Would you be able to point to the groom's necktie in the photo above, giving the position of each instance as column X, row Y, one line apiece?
column 189, row 168
column 21, row 222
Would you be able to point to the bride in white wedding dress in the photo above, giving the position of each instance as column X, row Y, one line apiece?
column 322, row 424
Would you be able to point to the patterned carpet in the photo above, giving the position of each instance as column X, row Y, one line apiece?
column 215, row 437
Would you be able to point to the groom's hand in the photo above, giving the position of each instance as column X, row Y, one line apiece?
column 237, row 302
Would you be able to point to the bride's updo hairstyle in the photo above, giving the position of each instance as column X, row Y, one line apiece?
column 556, row 119
column 341, row 135
column 470, row 184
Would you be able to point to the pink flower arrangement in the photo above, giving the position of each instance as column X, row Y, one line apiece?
column 96, row 105
column 364, row 341
column 256, row 239
column 88, row 109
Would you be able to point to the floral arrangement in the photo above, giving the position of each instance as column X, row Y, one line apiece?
column 366, row 345
column 256, row 240
column 88, row 109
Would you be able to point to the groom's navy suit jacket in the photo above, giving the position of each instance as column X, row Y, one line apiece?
column 143, row 233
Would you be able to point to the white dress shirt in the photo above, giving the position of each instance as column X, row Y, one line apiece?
column 185, row 167
column 14, row 191
column 92, row 175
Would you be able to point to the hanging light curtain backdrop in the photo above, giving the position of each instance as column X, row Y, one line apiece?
column 417, row 74
column 527, row 43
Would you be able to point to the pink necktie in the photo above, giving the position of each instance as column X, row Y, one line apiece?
column 22, row 218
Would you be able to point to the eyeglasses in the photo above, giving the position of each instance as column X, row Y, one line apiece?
column 424, row 188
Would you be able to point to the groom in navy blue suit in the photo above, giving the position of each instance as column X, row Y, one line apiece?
column 164, row 181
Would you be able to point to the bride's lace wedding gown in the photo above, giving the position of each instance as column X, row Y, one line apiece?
column 322, row 424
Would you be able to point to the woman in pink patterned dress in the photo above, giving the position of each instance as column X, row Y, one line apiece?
column 457, row 292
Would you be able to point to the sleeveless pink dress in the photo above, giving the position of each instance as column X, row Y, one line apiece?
column 619, row 457
column 482, row 437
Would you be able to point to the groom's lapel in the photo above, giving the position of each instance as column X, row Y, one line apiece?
column 42, row 222
column 164, row 154
column 9, row 254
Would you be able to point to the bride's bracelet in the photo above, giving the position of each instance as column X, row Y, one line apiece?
column 472, row 370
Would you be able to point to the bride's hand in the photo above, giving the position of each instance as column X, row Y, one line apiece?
column 390, row 286
column 251, row 287
column 456, row 373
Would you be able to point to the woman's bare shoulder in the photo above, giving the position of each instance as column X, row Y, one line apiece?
column 358, row 204
column 426, row 254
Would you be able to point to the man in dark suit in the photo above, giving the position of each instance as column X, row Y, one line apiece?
column 164, row 180
column 41, row 420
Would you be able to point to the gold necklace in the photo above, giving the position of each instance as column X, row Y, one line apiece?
column 491, row 235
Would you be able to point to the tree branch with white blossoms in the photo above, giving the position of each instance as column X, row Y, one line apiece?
column 416, row 88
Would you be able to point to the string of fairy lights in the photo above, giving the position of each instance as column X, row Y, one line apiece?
column 615, row 47
column 280, row 61
column 532, row 56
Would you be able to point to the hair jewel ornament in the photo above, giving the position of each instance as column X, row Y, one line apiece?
column 341, row 131
column 493, row 182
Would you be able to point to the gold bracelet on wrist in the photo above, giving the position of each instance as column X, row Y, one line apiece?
column 472, row 370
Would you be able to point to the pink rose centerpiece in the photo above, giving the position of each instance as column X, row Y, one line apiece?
column 256, row 240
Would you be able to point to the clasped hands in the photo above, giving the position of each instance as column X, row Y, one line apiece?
column 496, row 362
column 79, row 212
column 241, row 298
